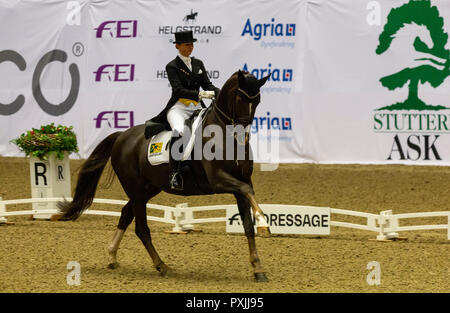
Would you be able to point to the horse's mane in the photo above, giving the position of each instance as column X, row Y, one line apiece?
column 231, row 82
column 230, row 85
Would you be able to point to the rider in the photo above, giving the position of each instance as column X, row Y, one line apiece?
column 186, row 75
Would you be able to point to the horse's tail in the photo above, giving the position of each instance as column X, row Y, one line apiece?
column 88, row 178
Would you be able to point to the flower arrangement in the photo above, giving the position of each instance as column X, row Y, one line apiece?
column 49, row 138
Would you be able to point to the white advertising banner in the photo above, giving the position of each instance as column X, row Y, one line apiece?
column 351, row 81
column 375, row 87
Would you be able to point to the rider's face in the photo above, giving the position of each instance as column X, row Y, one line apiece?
column 185, row 49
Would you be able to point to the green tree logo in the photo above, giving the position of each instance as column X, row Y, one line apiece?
column 419, row 12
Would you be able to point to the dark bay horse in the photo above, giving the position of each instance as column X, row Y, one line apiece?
column 235, row 105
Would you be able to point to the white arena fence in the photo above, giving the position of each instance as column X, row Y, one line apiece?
column 386, row 224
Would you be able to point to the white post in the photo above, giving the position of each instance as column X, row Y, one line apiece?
column 392, row 223
column 178, row 216
column 371, row 222
column 382, row 223
column 386, row 220
column 49, row 179
column 3, row 210
column 187, row 215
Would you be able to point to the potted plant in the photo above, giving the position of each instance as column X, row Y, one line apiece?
column 48, row 148
column 41, row 142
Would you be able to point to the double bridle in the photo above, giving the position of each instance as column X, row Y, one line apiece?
column 246, row 121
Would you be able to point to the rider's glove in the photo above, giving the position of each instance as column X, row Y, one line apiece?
column 210, row 94
column 206, row 94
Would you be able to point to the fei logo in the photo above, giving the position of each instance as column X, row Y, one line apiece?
column 276, row 74
column 115, row 119
column 272, row 29
column 116, row 72
column 118, row 29
column 416, row 125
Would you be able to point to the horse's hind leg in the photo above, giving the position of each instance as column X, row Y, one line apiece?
column 244, row 211
column 143, row 233
column 126, row 218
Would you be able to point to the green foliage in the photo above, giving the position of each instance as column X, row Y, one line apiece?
column 422, row 13
column 48, row 139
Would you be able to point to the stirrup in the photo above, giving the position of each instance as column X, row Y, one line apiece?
column 174, row 183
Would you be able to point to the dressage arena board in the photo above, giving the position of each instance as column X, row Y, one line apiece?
column 385, row 224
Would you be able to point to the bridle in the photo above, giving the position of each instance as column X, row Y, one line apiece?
column 244, row 121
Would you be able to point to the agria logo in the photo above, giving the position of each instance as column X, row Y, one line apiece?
column 276, row 74
column 417, row 125
column 271, row 29
column 271, row 123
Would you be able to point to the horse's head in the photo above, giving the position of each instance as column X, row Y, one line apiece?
column 240, row 96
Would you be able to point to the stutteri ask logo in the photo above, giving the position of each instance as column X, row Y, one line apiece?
column 417, row 127
column 422, row 13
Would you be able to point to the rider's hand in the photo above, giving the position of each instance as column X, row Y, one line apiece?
column 210, row 94
column 205, row 94
column 201, row 95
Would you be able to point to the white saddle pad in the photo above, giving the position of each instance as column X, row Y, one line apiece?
column 158, row 147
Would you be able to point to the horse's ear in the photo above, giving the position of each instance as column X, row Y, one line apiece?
column 241, row 78
column 263, row 80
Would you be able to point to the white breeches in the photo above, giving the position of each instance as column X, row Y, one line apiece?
column 178, row 114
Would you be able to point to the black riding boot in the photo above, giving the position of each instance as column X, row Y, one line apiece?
column 175, row 177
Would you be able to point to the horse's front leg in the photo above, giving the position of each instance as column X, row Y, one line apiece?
column 224, row 182
column 244, row 211
column 262, row 227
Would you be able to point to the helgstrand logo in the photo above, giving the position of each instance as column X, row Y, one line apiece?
column 190, row 22
column 417, row 126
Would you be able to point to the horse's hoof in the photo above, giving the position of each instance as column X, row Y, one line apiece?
column 113, row 266
column 163, row 269
column 261, row 277
column 263, row 231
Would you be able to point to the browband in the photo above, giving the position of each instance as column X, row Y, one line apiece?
column 250, row 97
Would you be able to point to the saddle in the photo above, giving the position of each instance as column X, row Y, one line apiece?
column 161, row 135
column 153, row 128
